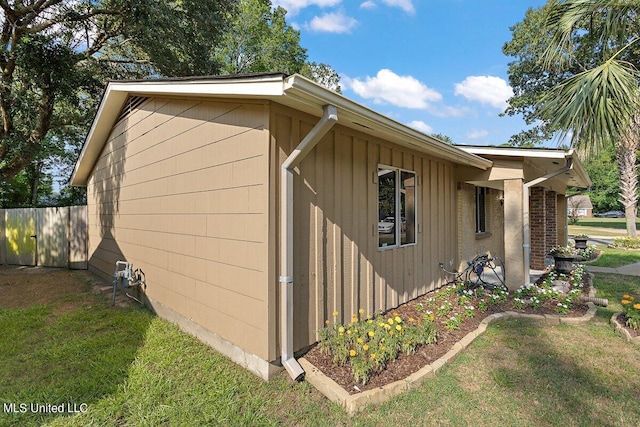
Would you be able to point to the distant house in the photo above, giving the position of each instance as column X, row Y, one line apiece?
column 258, row 205
column 579, row 206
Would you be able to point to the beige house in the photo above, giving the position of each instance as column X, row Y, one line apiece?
column 259, row 205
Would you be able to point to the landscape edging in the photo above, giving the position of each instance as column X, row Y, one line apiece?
column 621, row 330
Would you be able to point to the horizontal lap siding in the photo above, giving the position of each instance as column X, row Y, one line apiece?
column 337, row 263
column 181, row 191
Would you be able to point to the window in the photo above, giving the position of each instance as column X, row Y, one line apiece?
column 481, row 210
column 396, row 207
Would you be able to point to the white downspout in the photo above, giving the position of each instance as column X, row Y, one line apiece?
column 329, row 118
column 526, row 229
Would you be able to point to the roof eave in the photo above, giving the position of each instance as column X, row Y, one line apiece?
column 295, row 91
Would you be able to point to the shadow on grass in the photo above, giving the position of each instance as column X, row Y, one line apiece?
column 61, row 357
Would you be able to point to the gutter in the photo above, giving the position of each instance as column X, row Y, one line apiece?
column 526, row 229
column 329, row 118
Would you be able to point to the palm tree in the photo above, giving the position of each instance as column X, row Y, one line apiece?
column 600, row 105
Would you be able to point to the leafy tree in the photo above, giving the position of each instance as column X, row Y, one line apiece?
column 606, row 181
column 260, row 40
column 576, row 74
column 443, row 138
column 55, row 56
column 322, row 74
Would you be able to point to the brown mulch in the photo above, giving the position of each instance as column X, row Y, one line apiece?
column 405, row 365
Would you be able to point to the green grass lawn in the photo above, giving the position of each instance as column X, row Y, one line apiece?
column 601, row 227
column 132, row 368
column 615, row 258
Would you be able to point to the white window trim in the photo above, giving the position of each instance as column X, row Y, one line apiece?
column 397, row 230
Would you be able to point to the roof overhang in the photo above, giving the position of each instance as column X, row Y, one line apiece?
column 293, row 91
column 538, row 162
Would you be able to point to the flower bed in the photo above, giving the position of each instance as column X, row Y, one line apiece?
column 373, row 350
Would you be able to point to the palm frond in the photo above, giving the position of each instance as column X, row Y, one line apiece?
column 565, row 17
column 594, row 106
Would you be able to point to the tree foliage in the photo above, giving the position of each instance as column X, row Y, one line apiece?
column 576, row 74
column 55, row 56
column 260, row 40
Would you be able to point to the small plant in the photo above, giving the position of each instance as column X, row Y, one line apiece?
column 444, row 309
column 453, row 322
column 562, row 308
column 631, row 311
column 535, row 302
column 482, row 305
column 518, row 303
column 562, row 250
column 469, row 311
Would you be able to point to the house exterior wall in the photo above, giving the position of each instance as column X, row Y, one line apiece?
column 471, row 243
column 337, row 263
column 181, row 191
column 544, row 225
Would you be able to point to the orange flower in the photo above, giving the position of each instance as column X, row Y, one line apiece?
column 625, row 302
column 636, row 306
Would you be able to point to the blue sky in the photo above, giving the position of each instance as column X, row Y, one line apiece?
column 436, row 65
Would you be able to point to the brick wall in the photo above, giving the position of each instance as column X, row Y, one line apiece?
column 543, row 224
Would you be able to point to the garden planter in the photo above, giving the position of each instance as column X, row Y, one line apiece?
column 564, row 263
column 581, row 242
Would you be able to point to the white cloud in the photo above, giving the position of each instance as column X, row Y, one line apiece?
column 369, row 4
column 406, row 5
column 477, row 133
column 421, row 126
column 388, row 87
column 332, row 23
column 485, row 89
column 294, row 6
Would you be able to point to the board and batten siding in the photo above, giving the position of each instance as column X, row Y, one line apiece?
column 181, row 191
column 337, row 263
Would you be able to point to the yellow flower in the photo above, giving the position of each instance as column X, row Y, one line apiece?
column 365, row 347
column 390, row 321
column 387, row 327
column 373, row 355
column 636, row 306
column 360, row 340
column 411, row 319
column 326, row 322
column 361, row 311
column 352, row 353
column 398, row 319
column 341, row 329
column 335, row 314
column 349, row 332
column 625, row 302
column 399, row 328
column 371, row 334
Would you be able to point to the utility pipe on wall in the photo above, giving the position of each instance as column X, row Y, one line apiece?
column 329, row 118
column 526, row 229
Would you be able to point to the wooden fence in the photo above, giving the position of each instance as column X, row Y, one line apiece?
column 48, row 237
